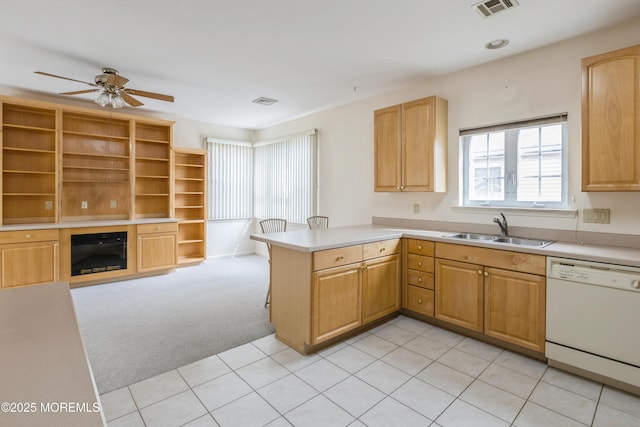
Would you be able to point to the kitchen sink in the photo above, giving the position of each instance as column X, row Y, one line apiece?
column 490, row 238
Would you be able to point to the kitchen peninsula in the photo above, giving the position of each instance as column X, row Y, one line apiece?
column 329, row 283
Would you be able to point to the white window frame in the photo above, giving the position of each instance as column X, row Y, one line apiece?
column 510, row 164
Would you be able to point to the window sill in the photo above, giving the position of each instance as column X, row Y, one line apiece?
column 558, row 213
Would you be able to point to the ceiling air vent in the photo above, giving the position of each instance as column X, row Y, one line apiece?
column 264, row 101
column 491, row 7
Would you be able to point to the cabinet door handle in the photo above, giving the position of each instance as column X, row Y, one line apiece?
column 419, row 300
column 480, row 272
column 486, row 274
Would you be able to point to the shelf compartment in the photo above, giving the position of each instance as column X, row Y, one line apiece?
column 91, row 146
column 97, row 162
column 153, row 132
column 104, row 199
column 30, row 117
column 152, row 206
column 97, row 127
column 189, row 200
column 91, row 175
column 152, row 185
column 146, row 168
column 29, row 161
column 28, row 209
column 189, row 213
column 29, row 139
column 33, row 183
column 152, row 150
column 190, row 186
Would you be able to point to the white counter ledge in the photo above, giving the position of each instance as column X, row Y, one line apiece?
column 330, row 238
column 45, row 376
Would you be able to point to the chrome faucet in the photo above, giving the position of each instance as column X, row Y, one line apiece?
column 502, row 223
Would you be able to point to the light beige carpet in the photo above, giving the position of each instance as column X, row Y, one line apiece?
column 139, row 328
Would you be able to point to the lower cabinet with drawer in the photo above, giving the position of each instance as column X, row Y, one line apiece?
column 28, row 257
column 499, row 293
column 320, row 296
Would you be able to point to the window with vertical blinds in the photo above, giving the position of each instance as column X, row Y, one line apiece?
column 231, row 180
column 285, row 178
column 274, row 179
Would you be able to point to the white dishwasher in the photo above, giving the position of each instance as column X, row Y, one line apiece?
column 593, row 319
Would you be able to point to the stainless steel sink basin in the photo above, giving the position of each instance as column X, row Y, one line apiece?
column 490, row 238
column 472, row 236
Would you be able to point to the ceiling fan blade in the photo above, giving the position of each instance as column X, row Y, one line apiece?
column 130, row 100
column 159, row 96
column 65, row 78
column 78, row 92
column 116, row 80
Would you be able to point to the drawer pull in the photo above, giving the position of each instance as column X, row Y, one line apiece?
column 340, row 258
column 419, row 278
column 419, row 300
column 28, row 236
column 382, row 249
column 419, row 263
column 419, row 247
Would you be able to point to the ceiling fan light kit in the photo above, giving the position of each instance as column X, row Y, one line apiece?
column 113, row 94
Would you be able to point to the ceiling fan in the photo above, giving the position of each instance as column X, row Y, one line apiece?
column 111, row 84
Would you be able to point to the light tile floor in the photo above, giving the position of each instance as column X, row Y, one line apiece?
column 402, row 373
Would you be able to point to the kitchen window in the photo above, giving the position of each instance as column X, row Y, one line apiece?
column 520, row 164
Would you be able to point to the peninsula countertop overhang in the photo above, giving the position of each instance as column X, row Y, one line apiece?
column 335, row 237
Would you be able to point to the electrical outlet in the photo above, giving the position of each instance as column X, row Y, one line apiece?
column 416, row 208
column 84, row 204
column 596, row 216
column 48, row 205
column 114, row 204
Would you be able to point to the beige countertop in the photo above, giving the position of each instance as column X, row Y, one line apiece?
column 330, row 238
column 82, row 224
column 45, row 376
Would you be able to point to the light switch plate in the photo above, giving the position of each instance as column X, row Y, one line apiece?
column 84, row 204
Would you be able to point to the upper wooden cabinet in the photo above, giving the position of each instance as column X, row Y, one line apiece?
column 611, row 121
column 410, row 146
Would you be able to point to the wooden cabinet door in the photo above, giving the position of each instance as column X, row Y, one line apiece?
column 387, row 145
column 28, row 264
column 611, row 121
column 515, row 307
column 380, row 288
column 418, row 130
column 156, row 251
column 336, row 304
column 459, row 293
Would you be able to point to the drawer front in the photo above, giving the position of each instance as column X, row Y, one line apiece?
column 420, row 263
column 421, row 247
column 336, row 257
column 160, row 227
column 421, row 279
column 420, row 300
column 26, row 236
column 508, row 260
column 383, row 248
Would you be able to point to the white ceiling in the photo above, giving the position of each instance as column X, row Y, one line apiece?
column 216, row 56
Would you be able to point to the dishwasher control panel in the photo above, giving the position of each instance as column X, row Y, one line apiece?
column 594, row 273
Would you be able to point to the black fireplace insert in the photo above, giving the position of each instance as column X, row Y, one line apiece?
column 98, row 252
